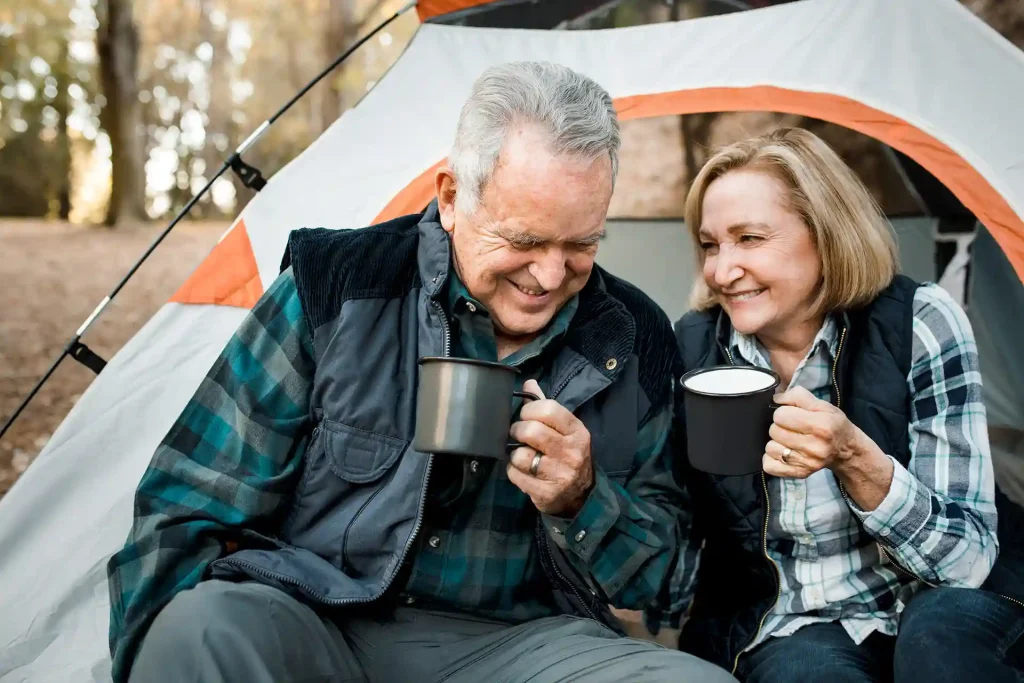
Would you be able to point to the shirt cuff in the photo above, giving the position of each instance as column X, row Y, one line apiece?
column 583, row 534
column 902, row 513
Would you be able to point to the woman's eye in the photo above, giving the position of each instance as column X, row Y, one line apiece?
column 706, row 245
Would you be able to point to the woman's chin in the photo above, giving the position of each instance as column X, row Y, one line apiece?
column 746, row 322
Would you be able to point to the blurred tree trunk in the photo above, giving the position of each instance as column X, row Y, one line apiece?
column 696, row 130
column 62, row 103
column 337, row 29
column 117, row 43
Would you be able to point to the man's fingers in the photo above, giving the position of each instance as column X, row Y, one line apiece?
column 539, row 491
column 531, row 386
column 537, row 435
column 552, row 413
column 521, row 458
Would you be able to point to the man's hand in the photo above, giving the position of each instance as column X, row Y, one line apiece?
column 564, row 474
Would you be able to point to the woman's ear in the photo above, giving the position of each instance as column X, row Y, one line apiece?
column 444, row 186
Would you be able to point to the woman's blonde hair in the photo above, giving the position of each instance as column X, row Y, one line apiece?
column 853, row 238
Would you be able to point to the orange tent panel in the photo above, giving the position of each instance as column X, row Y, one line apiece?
column 228, row 276
column 432, row 8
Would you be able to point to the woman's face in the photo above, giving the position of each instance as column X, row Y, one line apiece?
column 759, row 256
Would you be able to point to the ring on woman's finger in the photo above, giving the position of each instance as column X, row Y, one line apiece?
column 535, row 465
column 786, row 452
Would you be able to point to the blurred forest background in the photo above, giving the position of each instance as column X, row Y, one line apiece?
column 113, row 113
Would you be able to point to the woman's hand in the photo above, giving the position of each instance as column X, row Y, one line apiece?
column 809, row 434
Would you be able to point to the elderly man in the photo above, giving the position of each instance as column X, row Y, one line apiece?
column 287, row 531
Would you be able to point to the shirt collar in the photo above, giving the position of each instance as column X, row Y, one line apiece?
column 747, row 346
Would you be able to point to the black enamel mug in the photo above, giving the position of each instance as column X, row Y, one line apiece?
column 729, row 410
column 464, row 407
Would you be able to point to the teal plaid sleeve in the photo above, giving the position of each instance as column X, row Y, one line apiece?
column 228, row 462
column 939, row 516
column 625, row 538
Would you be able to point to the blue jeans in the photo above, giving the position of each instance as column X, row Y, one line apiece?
column 945, row 634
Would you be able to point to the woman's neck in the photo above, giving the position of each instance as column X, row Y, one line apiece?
column 789, row 346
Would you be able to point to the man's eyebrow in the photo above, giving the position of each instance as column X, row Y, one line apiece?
column 593, row 238
column 521, row 237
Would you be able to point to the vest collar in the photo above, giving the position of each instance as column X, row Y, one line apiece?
column 433, row 253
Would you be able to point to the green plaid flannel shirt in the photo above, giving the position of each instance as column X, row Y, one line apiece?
column 232, row 458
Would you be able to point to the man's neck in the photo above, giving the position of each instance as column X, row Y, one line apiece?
column 508, row 345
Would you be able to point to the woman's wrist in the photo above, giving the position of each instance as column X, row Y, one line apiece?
column 865, row 471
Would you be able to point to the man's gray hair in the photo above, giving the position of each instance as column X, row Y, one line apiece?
column 574, row 111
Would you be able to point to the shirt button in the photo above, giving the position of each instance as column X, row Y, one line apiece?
column 798, row 494
column 580, row 536
column 409, row 599
column 434, row 542
column 474, row 466
column 471, row 307
column 556, row 530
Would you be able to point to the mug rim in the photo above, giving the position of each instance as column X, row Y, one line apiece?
column 467, row 361
column 776, row 380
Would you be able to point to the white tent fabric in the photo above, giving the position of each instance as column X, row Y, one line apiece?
column 917, row 60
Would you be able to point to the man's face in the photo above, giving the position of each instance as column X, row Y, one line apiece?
column 529, row 245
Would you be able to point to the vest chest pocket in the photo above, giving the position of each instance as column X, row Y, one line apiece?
column 359, row 456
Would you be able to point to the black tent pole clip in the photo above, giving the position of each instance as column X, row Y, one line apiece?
column 250, row 176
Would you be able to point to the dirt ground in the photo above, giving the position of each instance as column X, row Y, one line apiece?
column 52, row 276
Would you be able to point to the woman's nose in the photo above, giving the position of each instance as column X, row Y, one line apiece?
column 727, row 267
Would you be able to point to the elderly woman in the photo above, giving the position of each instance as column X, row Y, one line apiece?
column 858, row 553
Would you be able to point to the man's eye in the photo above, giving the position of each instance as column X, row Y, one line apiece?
column 751, row 238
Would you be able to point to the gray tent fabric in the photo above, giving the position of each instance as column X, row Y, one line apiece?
column 996, row 311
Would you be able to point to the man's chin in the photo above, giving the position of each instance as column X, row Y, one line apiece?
column 521, row 326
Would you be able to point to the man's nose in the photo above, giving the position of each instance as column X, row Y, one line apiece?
column 549, row 269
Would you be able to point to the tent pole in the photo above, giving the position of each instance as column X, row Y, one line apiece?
column 75, row 348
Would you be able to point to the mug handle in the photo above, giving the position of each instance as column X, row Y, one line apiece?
column 525, row 395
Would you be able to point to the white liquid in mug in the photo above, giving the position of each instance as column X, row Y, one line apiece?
column 730, row 381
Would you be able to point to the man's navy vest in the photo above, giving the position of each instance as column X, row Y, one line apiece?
column 371, row 299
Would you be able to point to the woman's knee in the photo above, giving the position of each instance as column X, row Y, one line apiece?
column 944, row 628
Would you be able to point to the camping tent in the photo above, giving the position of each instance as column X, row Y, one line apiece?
column 903, row 71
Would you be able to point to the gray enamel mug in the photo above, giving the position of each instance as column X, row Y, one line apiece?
column 464, row 407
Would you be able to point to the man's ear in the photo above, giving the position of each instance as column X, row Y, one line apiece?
column 444, row 186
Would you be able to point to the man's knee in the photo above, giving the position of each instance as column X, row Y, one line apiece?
column 214, row 614
column 183, row 622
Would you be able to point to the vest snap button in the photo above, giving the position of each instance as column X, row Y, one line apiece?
column 611, row 364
